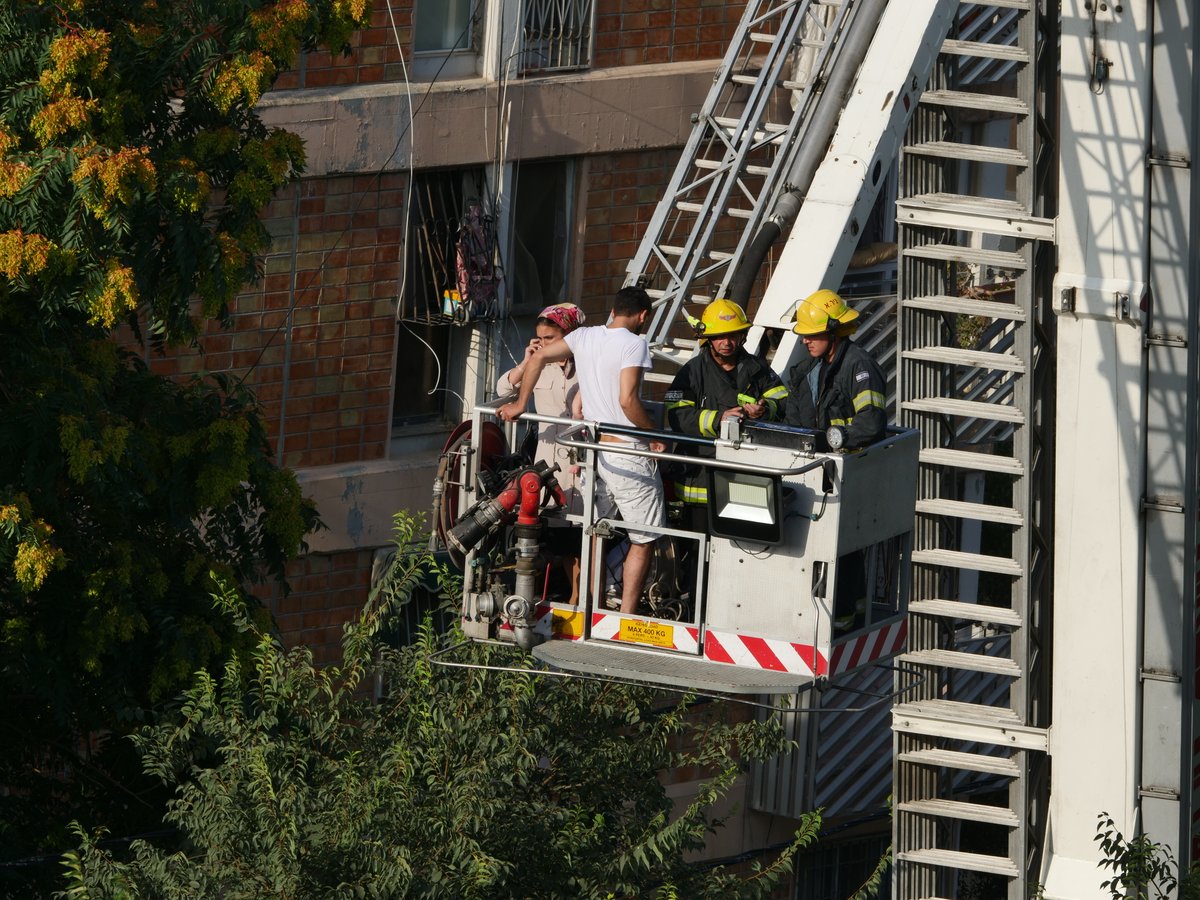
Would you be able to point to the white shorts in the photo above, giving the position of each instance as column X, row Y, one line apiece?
column 631, row 486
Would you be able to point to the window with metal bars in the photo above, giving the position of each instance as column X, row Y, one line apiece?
column 451, row 270
column 557, row 35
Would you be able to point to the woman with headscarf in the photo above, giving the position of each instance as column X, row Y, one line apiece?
column 555, row 394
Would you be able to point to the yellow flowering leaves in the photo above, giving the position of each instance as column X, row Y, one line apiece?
column 27, row 540
column 112, row 295
column 23, row 254
column 79, row 55
column 243, row 78
column 13, row 173
column 107, row 178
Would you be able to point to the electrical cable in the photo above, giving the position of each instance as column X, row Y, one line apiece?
column 378, row 176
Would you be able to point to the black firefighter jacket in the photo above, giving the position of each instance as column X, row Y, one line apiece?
column 850, row 392
column 701, row 391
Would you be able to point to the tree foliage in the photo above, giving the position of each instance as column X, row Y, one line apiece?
column 132, row 171
column 462, row 782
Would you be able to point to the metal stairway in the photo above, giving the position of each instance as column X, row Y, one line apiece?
column 754, row 123
column 976, row 244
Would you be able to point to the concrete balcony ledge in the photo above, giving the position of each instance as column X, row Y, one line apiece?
column 365, row 128
column 358, row 500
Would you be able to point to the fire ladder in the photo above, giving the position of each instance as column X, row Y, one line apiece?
column 801, row 79
column 771, row 93
column 976, row 331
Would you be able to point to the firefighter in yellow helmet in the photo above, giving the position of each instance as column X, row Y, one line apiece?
column 722, row 380
column 839, row 384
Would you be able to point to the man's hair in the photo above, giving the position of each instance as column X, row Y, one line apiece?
column 630, row 301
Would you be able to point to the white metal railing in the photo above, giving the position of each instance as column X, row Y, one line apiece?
column 557, row 35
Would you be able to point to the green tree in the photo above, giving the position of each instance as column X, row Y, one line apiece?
column 132, row 172
column 462, row 782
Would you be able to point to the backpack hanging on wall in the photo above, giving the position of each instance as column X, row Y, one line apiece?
column 475, row 266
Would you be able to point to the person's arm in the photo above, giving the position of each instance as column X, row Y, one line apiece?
column 511, row 380
column 631, row 403
column 773, row 398
column 683, row 412
column 556, row 352
column 869, row 396
column 631, row 398
column 799, row 411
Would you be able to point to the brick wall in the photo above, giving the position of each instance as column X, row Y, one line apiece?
column 621, row 193
column 374, row 54
column 642, row 32
column 327, row 377
column 327, row 591
column 627, row 33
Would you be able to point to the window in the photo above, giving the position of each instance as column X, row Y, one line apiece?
column 439, row 259
column 445, row 39
column 542, row 212
column 428, row 381
column 422, row 361
column 558, row 35
column 442, row 25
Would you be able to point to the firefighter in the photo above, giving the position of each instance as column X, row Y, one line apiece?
column 840, row 384
column 722, row 380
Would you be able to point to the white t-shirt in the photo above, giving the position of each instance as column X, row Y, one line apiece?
column 600, row 355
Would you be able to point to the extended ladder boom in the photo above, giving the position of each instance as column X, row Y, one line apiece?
column 747, row 173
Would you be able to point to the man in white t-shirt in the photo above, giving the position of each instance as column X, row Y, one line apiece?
column 610, row 361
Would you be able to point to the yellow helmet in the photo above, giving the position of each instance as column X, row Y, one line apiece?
column 825, row 311
column 722, row 317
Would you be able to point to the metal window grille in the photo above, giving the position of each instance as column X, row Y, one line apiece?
column 557, row 35
column 435, row 262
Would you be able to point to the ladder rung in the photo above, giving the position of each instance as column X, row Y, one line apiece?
column 766, row 130
column 957, row 809
column 969, row 459
column 968, row 662
column 969, row 762
column 1007, row 4
column 688, row 206
column 956, row 859
column 981, row 359
column 971, row 409
column 985, row 725
column 657, row 294
column 958, row 559
column 717, row 255
column 985, row 50
column 711, row 164
column 979, row 215
column 960, row 509
column 971, row 100
column 974, row 152
column 969, row 612
column 966, row 306
column 658, row 377
column 999, row 259
column 956, row 711
column 745, row 79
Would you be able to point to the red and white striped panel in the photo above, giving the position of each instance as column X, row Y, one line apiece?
column 763, row 653
column 607, row 626
column 879, row 643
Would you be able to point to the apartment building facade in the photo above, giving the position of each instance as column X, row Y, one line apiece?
column 562, row 119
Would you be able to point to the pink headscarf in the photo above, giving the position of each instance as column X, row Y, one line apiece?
column 566, row 316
